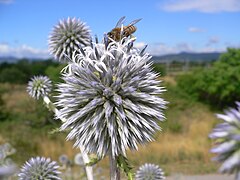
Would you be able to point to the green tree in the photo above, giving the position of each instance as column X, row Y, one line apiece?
column 53, row 72
column 3, row 114
column 12, row 75
column 160, row 68
column 219, row 85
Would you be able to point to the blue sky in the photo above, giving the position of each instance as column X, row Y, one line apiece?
column 168, row 26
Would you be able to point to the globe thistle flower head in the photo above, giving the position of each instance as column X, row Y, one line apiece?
column 2, row 155
column 67, row 36
column 110, row 98
column 8, row 149
column 5, row 151
column 39, row 168
column 149, row 172
column 227, row 136
column 39, row 86
column 63, row 159
column 78, row 159
column 6, row 171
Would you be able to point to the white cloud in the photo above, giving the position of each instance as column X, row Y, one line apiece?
column 6, row 1
column 163, row 49
column 206, row 6
column 195, row 29
column 231, row 45
column 4, row 48
column 211, row 49
column 213, row 40
column 23, row 51
column 139, row 45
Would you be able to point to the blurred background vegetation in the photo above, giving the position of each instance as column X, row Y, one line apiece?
column 195, row 91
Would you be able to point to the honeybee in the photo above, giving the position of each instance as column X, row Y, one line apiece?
column 121, row 31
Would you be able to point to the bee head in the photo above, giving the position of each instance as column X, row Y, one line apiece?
column 110, row 34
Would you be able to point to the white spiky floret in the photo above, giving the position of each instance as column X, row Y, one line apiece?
column 110, row 98
column 149, row 172
column 227, row 136
column 39, row 86
column 67, row 36
column 39, row 168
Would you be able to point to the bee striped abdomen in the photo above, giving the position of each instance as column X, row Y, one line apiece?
column 128, row 30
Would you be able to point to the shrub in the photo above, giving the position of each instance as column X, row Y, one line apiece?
column 53, row 72
column 3, row 115
column 12, row 75
column 158, row 67
column 218, row 85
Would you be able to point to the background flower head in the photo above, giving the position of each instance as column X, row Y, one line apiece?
column 227, row 135
column 39, row 168
column 8, row 149
column 39, row 86
column 78, row 159
column 6, row 171
column 66, row 37
column 149, row 172
column 63, row 159
column 110, row 98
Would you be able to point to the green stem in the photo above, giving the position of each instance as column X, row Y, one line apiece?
column 114, row 170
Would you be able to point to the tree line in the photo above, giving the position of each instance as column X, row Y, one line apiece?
column 22, row 71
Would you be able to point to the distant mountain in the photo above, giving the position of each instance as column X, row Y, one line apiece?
column 12, row 59
column 9, row 59
column 185, row 56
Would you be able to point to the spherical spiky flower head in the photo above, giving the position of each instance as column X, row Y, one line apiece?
column 227, row 135
column 78, row 159
column 7, row 149
column 39, row 86
column 66, row 37
column 149, row 172
column 6, row 171
column 63, row 159
column 39, row 168
column 110, row 98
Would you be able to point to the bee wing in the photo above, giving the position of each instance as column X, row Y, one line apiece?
column 120, row 21
column 135, row 21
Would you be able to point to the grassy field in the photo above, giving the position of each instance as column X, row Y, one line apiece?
column 181, row 147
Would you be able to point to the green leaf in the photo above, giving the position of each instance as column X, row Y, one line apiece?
column 122, row 163
column 57, row 130
column 54, row 131
column 93, row 160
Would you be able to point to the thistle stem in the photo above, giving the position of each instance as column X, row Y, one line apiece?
column 89, row 169
column 114, row 170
